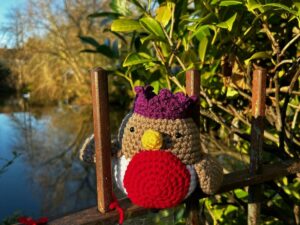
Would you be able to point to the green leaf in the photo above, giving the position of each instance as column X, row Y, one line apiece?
column 153, row 27
column 138, row 83
column 102, row 49
column 116, row 34
column 252, row 4
column 155, row 85
column 164, row 13
column 281, row 6
column 230, row 208
column 111, row 15
column 240, row 193
column 231, row 93
column 89, row 40
column 230, row 3
column 201, row 32
column 180, row 214
column 135, row 59
column 258, row 55
column 202, row 48
column 228, row 24
column 150, row 37
column 125, row 25
column 119, row 6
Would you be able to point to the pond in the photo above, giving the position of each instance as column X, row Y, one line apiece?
column 40, row 170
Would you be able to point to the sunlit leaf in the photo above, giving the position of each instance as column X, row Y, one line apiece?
column 135, row 59
column 296, row 194
column 230, row 208
column 150, row 37
column 164, row 49
column 125, row 25
column 281, row 6
column 258, row 55
column 164, row 13
column 228, row 24
column 201, row 32
column 252, row 4
column 119, row 6
column 155, row 85
column 202, row 48
column 240, row 193
column 138, row 83
column 153, row 27
column 230, row 3
column 231, row 92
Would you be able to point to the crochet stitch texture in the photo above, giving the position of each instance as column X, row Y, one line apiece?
column 156, row 179
column 165, row 105
column 186, row 147
column 160, row 161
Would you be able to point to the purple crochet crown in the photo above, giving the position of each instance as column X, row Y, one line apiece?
column 165, row 105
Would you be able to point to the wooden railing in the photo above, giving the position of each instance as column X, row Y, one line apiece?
column 252, row 177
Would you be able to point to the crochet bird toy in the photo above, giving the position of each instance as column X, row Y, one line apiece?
column 160, row 161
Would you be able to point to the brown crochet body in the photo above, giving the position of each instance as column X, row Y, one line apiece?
column 186, row 147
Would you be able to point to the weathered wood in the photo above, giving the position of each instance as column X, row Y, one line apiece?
column 231, row 181
column 102, row 138
column 192, row 85
column 92, row 216
column 257, row 135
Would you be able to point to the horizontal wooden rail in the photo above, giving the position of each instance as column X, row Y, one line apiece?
column 231, row 181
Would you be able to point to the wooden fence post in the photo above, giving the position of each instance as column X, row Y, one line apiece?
column 257, row 134
column 102, row 138
column 192, row 84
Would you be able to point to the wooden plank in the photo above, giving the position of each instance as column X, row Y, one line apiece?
column 257, row 136
column 192, row 85
column 102, row 138
column 92, row 216
column 231, row 181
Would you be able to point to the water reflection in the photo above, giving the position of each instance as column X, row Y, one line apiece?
column 48, row 176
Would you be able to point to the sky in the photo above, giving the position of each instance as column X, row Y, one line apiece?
column 5, row 7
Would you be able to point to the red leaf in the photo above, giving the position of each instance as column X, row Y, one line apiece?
column 26, row 220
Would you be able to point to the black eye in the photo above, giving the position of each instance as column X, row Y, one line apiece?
column 178, row 135
column 131, row 129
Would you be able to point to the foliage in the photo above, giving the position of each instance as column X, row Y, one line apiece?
column 4, row 75
column 158, row 41
column 46, row 57
column 155, row 42
column 13, row 219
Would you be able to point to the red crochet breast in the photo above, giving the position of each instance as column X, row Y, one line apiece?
column 156, row 179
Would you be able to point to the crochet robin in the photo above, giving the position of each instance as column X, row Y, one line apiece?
column 160, row 162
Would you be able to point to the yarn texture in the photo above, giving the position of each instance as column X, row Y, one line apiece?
column 156, row 179
column 152, row 139
column 186, row 147
column 160, row 161
column 210, row 174
column 165, row 105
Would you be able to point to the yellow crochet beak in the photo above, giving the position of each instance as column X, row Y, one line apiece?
column 152, row 140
